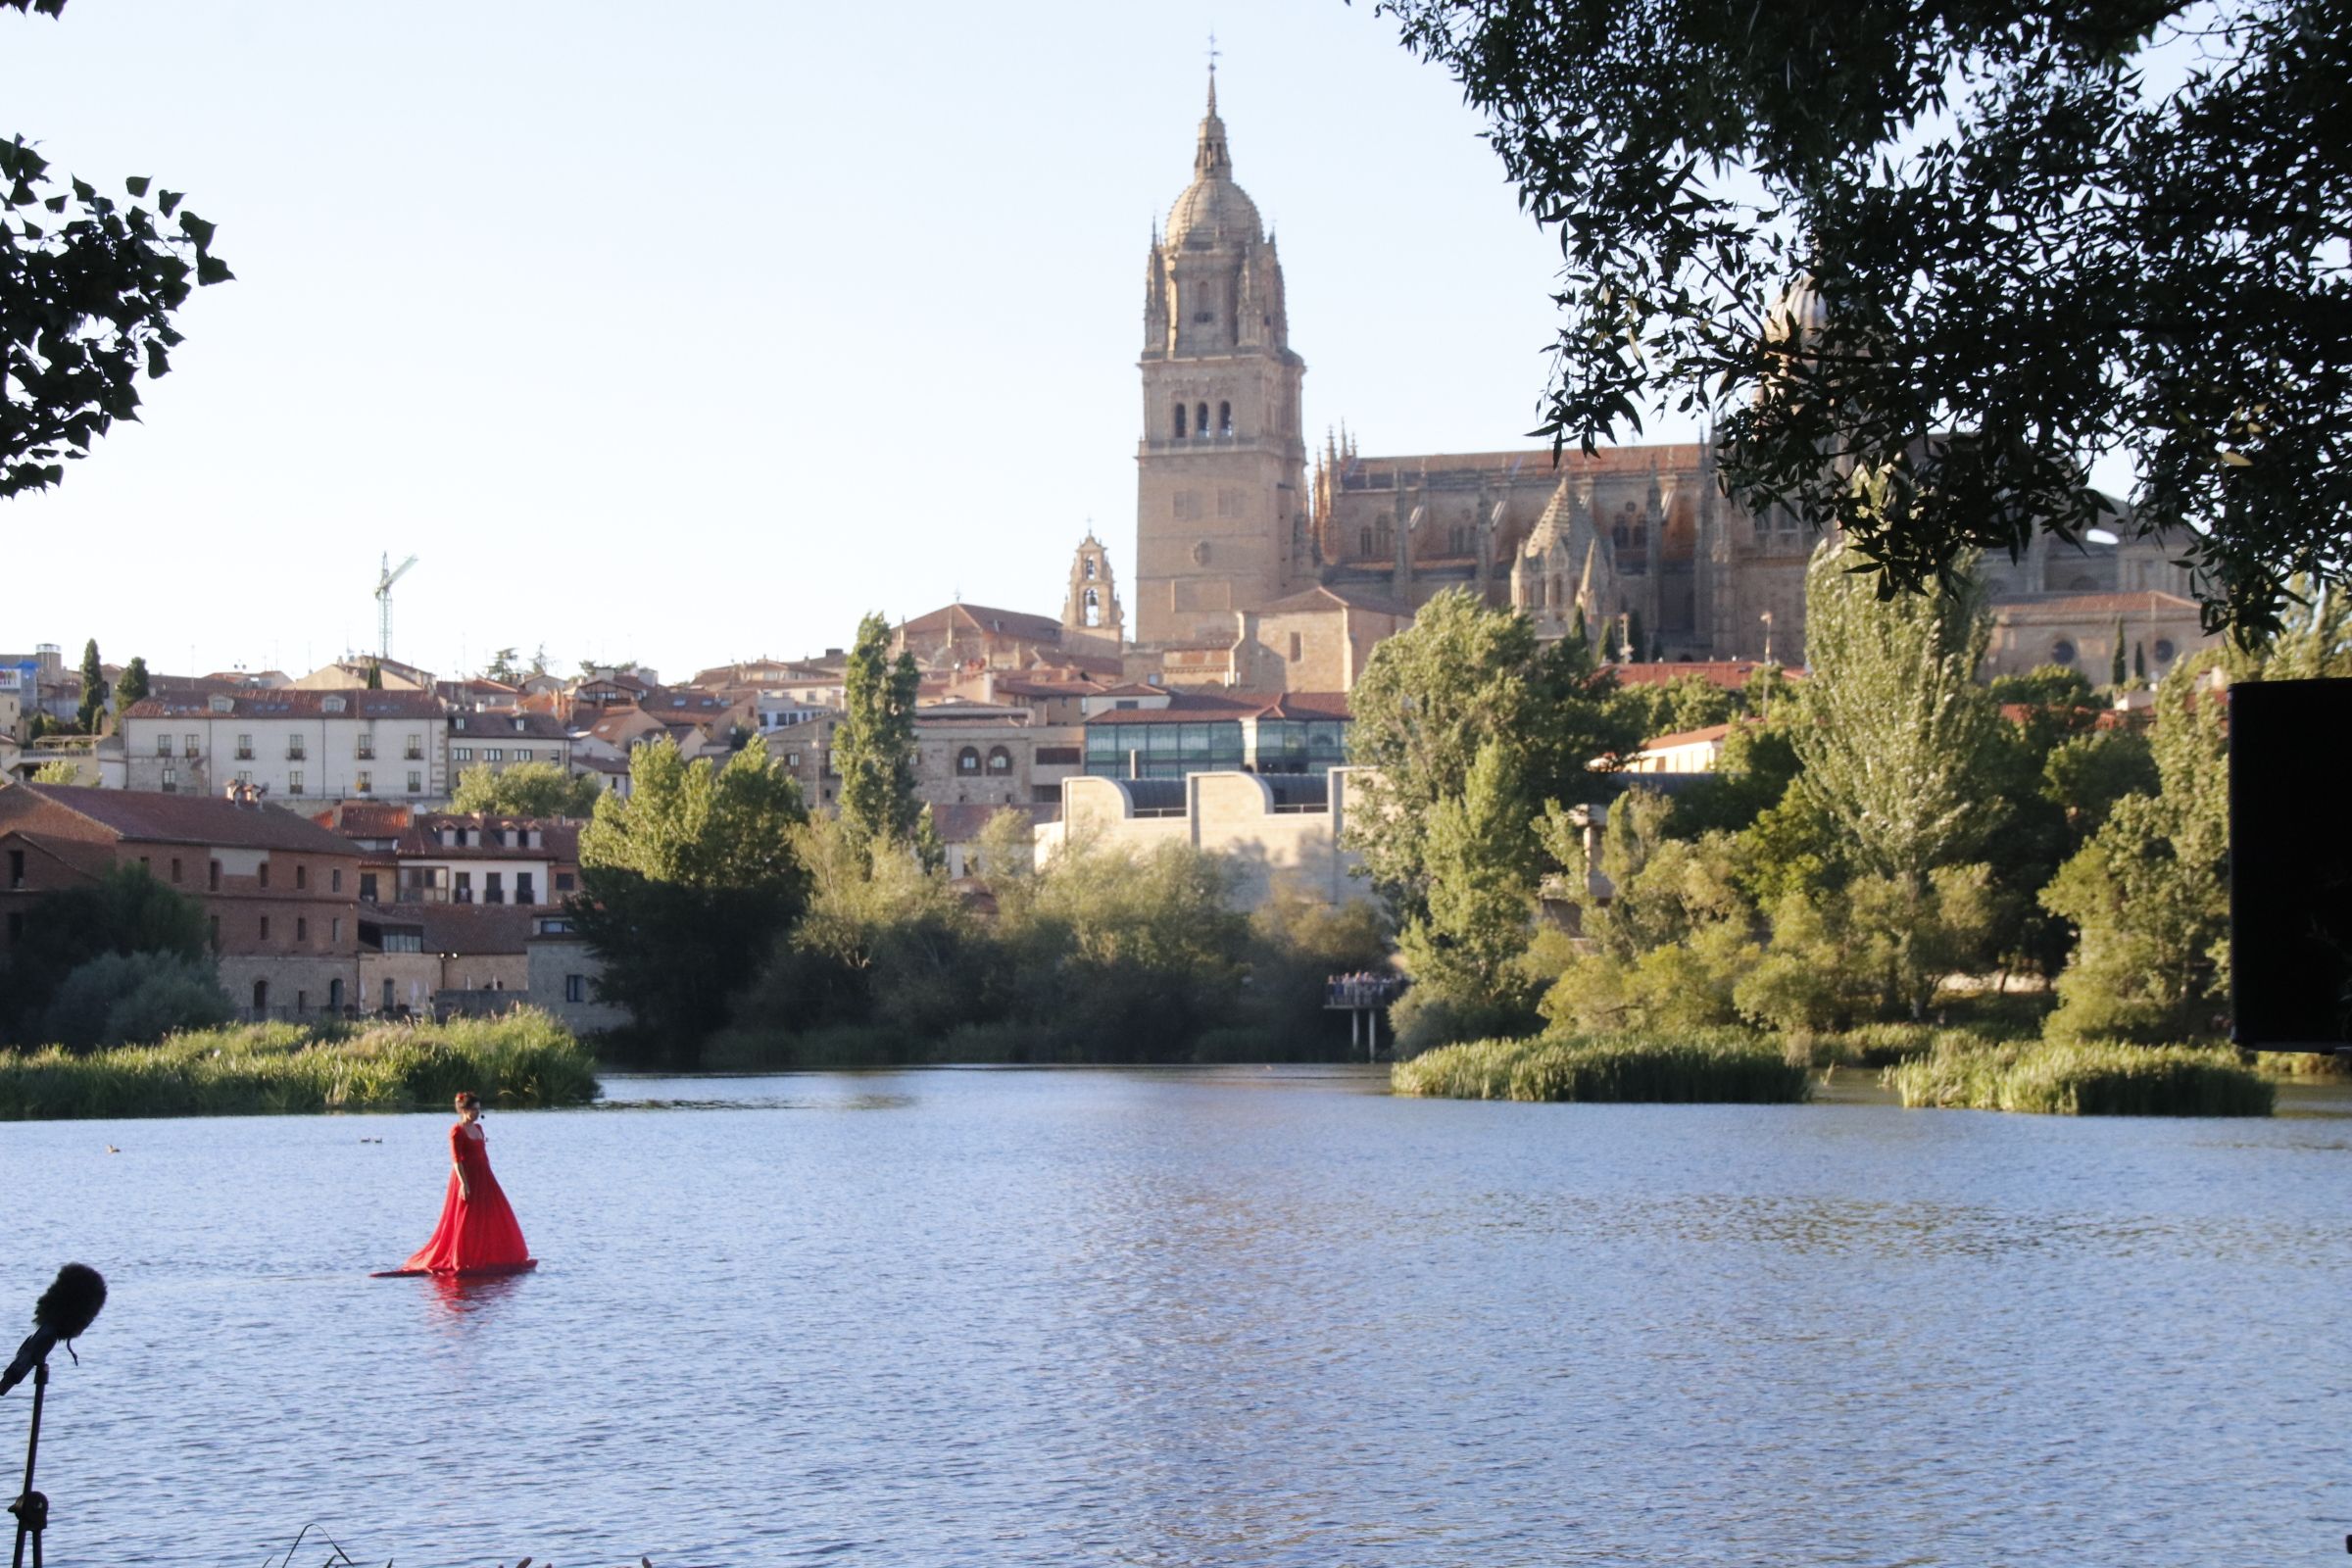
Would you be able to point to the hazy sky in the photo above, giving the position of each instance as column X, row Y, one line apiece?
column 692, row 333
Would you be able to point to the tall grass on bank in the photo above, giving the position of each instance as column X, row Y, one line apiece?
column 1721, row 1066
column 522, row 1059
column 2096, row 1078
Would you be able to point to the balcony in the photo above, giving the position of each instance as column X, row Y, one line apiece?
column 365, row 752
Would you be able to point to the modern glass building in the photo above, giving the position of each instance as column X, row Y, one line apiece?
column 1219, row 732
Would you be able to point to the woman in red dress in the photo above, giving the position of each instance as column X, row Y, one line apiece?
column 477, row 1232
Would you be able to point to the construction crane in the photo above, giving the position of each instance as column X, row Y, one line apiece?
column 383, row 602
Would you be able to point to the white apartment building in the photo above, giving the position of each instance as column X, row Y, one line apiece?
column 293, row 745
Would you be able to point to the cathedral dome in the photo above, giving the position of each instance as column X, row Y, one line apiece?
column 1212, row 208
column 1210, row 211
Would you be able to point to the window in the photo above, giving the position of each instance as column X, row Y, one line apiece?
column 335, row 996
column 261, row 994
column 302, row 928
column 575, row 987
column 388, row 991
column 1224, row 418
column 335, row 930
column 163, row 746
column 968, row 760
column 525, row 892
column 999, row 761
column 1180, row 422
column 265, row 873
column 294, row 748
column 175, row 868
column 302, row 1001
column 463, row 754
column 170, row 782
column 244, row 747
column 214, row 880
column 361, row 781
column 245, row 775
column 413, row 751
column 563, row 881
column 363, row 749
column 2062, row 652
column 523, row 754
column 1298, row 646
column 189, row 741
column 1363, row 540
column 1200, row 419
column 493, row 753
column 416, row 782
column 264, row 928
column 16, row 868
column 2164, row 650
column 294, row 782
column 462, row 892
column 334, row 880
column 367, row 887
column 302, row 876
column 493, row 887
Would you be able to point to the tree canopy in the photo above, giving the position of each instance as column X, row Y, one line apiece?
column 88, row 286
column 686, row 883
column 2028, row 237
column 526, row 789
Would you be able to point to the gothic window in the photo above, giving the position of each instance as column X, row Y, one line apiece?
column 1383, row 538
column 968, row 760
column 1224, row 418
column 1364, row 540
column 999, row 761
column 1179, row 422
column 1200, row 419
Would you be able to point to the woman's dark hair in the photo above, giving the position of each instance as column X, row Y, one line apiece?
column 466, row 1097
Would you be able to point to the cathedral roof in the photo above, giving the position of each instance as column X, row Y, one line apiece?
column 1213, row 210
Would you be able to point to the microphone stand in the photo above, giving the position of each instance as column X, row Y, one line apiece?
column 30, row 1507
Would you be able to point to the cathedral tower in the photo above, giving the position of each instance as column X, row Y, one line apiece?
column 1222, row 484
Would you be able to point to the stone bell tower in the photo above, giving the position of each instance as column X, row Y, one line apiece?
column 1090, row 612
column 1221, row 470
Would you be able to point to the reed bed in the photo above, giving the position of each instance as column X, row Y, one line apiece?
column 2094, row 1078
column 1716, row 1066
column 524, row 1057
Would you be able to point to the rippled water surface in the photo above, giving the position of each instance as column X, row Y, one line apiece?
column 1239, row 1316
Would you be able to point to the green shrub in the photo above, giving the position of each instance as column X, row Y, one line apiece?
column 2094, row 1078
column 1703, row 1067
column 136, row 999
column 523, row 1057
column 1424, row 1020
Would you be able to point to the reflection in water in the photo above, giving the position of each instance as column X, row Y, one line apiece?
column 457, row 1297
column 1188, row 1319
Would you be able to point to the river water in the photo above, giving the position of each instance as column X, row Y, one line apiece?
column 1202, row 1317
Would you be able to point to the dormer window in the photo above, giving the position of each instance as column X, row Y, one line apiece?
column 332, row 704
column 223, row 705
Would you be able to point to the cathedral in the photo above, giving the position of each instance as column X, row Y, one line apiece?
column 1252, row 571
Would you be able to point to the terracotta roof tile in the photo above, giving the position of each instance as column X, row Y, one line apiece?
column 194, row 819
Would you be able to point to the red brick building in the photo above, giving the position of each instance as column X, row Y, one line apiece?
column 280, row 892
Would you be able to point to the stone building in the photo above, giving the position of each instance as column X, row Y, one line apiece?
column 1282, row 831
column 1639, row 539
column 279, row 893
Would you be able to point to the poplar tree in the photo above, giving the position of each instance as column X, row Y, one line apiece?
column 1897, row 733
column 873, row 745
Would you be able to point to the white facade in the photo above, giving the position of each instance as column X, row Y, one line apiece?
column 295, row 747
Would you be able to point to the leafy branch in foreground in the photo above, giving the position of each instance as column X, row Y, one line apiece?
column 88, row 284
column 2017, row 252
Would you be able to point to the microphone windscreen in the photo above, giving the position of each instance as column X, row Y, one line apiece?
column 70, row 1303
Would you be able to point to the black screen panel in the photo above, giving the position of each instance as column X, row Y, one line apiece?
column 2290, row 863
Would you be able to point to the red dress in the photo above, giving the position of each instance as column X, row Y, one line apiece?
column 478, row 1234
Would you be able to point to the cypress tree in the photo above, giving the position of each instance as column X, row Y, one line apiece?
column 93, row 689
column 2116, row 671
